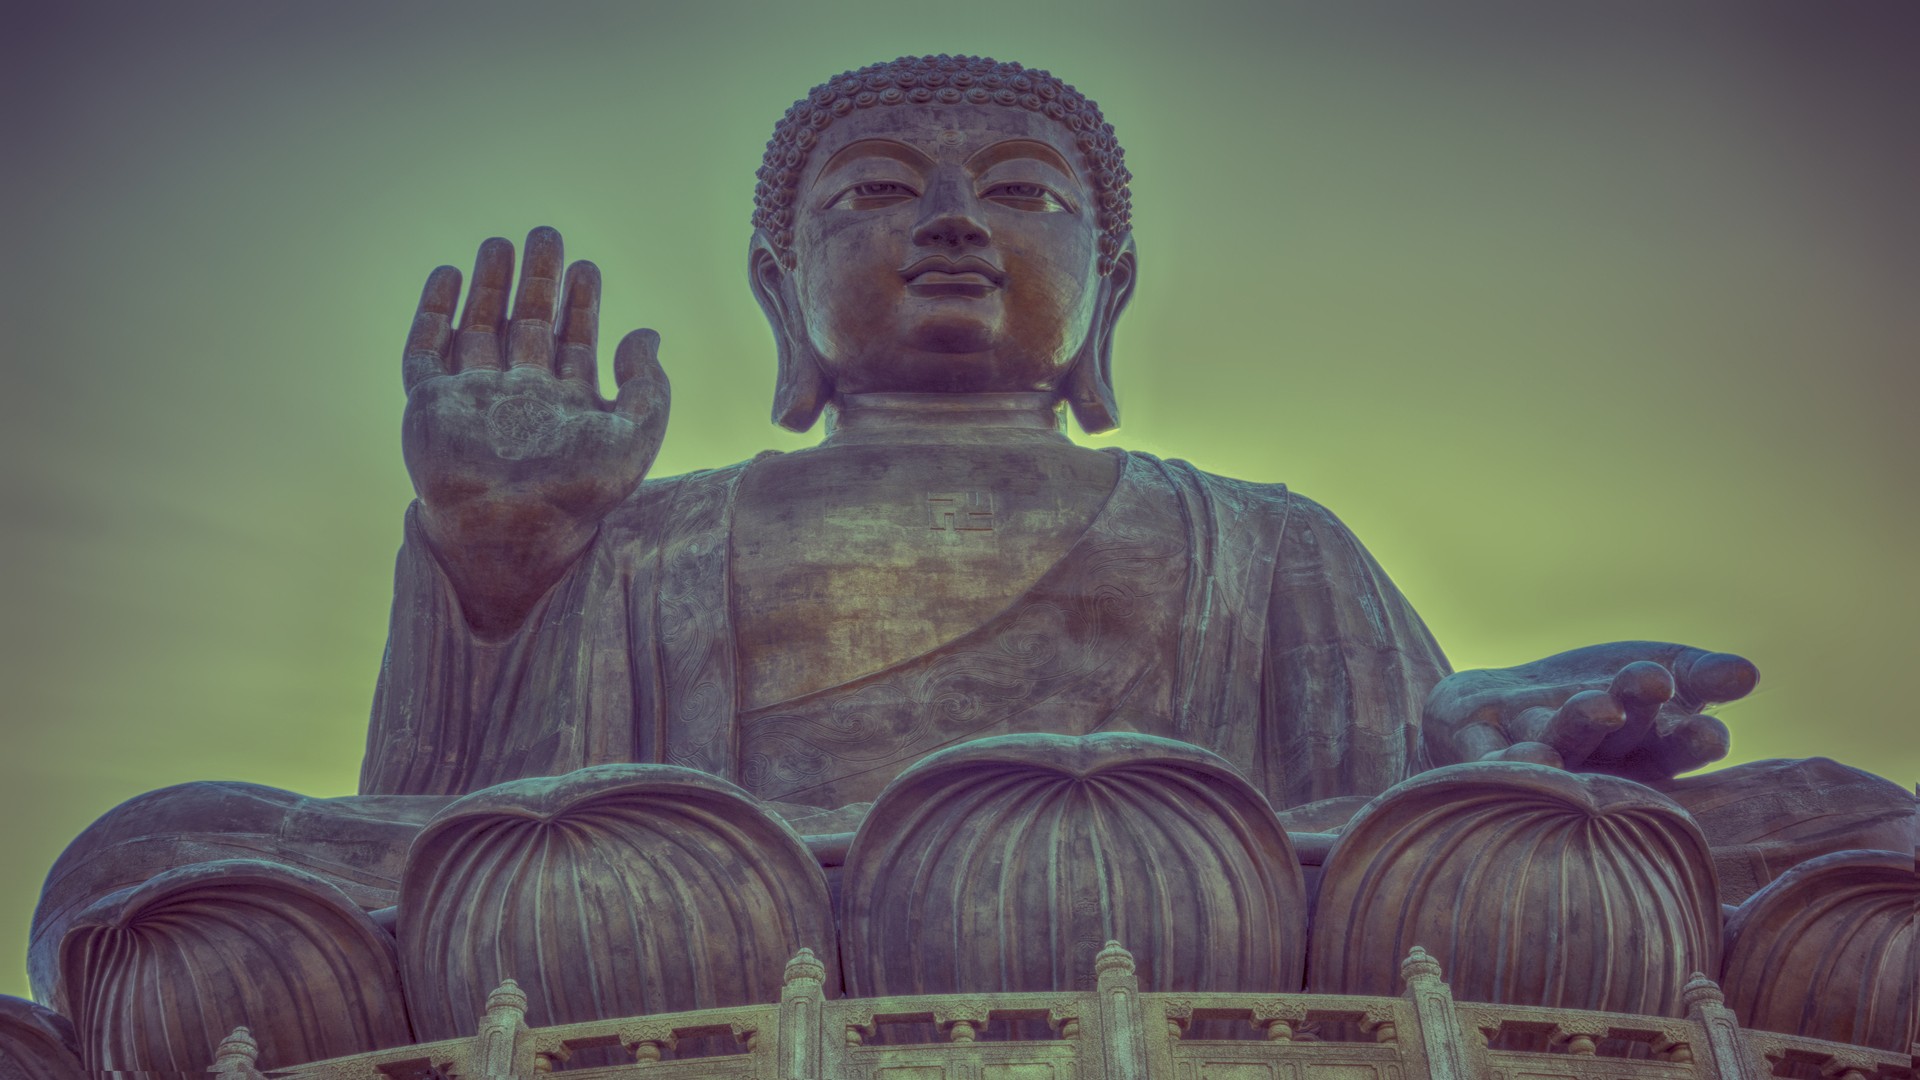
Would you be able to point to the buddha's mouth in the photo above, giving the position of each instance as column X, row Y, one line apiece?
column 938, row 275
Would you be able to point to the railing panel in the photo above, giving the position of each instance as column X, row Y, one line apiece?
column 1795, row 1057
column 1115, row 1032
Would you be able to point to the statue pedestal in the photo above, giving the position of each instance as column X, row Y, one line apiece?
column 1574, row 911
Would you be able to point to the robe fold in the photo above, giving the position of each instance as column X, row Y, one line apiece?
column 1237, row 616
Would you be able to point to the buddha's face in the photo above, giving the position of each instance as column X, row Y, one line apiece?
column 945, row 248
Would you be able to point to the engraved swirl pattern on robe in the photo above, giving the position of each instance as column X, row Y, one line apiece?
column 1088, row 641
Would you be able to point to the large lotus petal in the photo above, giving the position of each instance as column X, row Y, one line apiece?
column 1827, row 950
column 1006, row 863
column 1530, row 885
column 37, row 1043
column 160, row 973
column 617, row 890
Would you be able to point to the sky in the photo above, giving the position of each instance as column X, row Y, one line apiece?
column 1593, row 321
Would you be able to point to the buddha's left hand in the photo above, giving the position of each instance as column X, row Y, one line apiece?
column 1630, row 708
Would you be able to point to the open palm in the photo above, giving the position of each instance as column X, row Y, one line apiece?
column 1631, row 708
column 515, row 455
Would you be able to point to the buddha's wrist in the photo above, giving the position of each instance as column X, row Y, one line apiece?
column 500, row 564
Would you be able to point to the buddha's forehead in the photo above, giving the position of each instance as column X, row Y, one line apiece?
column 941, row 132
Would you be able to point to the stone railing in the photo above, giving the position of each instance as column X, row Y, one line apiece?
column 1112, row 1031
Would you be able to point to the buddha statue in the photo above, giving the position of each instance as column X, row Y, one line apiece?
column 637, row 738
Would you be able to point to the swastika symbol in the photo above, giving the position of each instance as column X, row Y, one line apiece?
column 960, row 511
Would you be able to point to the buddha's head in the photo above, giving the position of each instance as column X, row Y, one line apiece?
column 943, row 225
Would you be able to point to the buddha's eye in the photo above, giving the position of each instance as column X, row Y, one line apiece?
column 872, row 195
column 1024, row 196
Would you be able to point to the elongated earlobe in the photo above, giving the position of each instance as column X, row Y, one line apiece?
column 1089, row 391
column 800, row 390
column 1089, row 384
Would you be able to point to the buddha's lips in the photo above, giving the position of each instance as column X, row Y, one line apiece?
column 968, row 270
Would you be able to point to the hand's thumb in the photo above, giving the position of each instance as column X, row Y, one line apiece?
column 643, row 392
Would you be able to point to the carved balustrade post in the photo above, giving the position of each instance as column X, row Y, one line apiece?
column 801, row 1025
column 1122, row 1022
column 1727, row 1057
column 236, row 1057
column 498, row 1046
column 1441, row 1035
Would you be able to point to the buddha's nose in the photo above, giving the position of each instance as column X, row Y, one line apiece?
column 952, row 220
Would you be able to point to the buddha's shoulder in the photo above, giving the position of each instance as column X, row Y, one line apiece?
column 662, row 506
column 1231, row 492
column 1303, row 518
column 700, row 483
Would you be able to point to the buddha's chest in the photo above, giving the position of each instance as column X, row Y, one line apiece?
column 850, row 560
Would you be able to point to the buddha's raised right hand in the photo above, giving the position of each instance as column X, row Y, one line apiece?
column 515, row 455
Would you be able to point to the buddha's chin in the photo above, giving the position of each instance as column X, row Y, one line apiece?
column 961, row 330
column 924, row 371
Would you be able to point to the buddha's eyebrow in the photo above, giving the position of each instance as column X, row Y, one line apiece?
column 888, row 148
column 988, row 156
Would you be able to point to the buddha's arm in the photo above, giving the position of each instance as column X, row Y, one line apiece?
column 455, row 711
column 514, row 454
column 1354, row 668
column 1348, row 663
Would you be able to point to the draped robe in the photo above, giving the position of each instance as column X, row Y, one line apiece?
column 1237, row 616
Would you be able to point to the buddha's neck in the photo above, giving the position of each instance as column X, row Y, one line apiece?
column 949, row 419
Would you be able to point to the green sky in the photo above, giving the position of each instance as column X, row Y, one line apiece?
column 1593, row 321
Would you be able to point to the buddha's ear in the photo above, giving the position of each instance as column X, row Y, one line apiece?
column 800, row 390
column 1089, row 383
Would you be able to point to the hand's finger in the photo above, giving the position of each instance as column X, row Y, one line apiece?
column 1529, row 724
column 530, row 334
column 1685, row 745
column 644, row 392
column 477, row 345
column 1706, row 678
column 1641, row 688
column 1576, row 729
column 1533, row 753
column 1479, row 742
column 426, row 352
column 578, row 336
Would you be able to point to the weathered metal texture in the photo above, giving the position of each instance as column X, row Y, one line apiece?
column 1475, row 861
column 1437, row 1019
column 943, row 280
column 1116, row 1032
column 37, row 1043
column 355, row 843
column 613, row 891
column 1730, row 1056
column 1763, row 818
column 160, row 972
column 1006, row 864
column 1828, row 951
